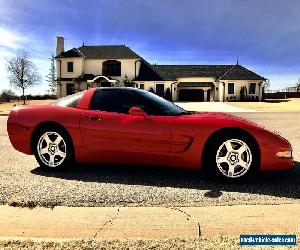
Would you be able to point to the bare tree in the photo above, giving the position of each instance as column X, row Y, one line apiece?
column 50, row 78
column 22, row 72
column 267, row 84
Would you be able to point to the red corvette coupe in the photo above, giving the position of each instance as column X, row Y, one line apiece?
column 133, row 126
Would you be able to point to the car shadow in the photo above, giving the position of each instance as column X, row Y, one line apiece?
column 274, row 183
column 276, row 100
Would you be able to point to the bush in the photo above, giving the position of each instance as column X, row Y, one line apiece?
column 7, row 95
column 41, row 97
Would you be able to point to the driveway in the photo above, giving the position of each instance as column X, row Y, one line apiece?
column 212, row 107
column 24, row 183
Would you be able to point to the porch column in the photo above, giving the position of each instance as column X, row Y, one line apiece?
column 221, row 91
column 260, row 89
column 205, row 95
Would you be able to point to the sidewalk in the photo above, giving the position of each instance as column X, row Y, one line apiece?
column 147, row 222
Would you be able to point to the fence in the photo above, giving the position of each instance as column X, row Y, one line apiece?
column 281, row 95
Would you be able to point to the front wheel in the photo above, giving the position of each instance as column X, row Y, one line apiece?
column 53, row 148
column 233, row 157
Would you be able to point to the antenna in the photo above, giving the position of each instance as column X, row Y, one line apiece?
column 82, row 43
column 237, row 60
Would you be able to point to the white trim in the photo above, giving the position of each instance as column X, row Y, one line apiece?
column 70, row 72
column 159, row 83
column 228, row 88
column 81, row 53
column 254, row 89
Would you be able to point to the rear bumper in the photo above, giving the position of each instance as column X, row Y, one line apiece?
column 19, row 135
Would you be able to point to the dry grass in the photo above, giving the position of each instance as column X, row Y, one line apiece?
column 7, row 106
column 292, row 104
column 211, row 243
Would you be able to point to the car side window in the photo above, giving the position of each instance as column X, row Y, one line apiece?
column 114, row 100
column 148, row 105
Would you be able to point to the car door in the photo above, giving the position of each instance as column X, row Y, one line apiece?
column 112, row 135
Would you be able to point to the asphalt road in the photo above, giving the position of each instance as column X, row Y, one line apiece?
column 24, row 183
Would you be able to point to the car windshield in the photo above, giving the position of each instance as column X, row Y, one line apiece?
column 161, row 104
column 70, row 100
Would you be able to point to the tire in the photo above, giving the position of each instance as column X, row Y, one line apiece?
column 53, row 148
column 232, row 157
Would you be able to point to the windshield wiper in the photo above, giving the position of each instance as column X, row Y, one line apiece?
column 186, row 113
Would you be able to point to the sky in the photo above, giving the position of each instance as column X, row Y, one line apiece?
column 263, row 35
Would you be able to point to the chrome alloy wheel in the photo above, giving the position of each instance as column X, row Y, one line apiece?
column 52, row 149
column 234, row 158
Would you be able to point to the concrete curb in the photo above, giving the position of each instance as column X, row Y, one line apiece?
column 147, row 222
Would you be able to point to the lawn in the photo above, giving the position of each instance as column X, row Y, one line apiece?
column 292, row 104
column 7, row 106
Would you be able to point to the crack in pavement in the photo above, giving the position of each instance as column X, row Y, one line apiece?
column 110, row 221
column 189, row 217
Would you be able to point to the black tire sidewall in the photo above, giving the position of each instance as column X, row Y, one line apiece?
column 69, row 147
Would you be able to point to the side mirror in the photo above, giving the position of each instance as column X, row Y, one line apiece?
column 135, row 111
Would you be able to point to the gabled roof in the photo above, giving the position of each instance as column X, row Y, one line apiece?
column 101, row 52
column 221, row 72
column 70, row 53
column 239, row 72
column 147, row 73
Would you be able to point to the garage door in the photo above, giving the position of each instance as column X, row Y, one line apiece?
column 191, row 95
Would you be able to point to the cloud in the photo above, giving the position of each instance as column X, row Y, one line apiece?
column 10, row 43
column 11, row 40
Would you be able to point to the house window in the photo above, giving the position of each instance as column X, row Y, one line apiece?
column 70, row 66
column 142, row 86
column 70, row 88
column 252, row 88
column 111, row 68
column 230, row 88
column 160, row 89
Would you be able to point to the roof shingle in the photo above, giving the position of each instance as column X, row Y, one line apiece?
column 102, row 52
column 222, row 72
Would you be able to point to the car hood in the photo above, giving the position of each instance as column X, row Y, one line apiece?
column 217, row 115
column 234, row 120
column 228, row 119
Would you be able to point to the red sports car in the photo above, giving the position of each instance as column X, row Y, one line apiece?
column 133, row 126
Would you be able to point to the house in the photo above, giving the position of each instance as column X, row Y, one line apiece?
column 117, row 65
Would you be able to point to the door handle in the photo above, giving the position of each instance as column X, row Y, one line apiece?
column 94, row 118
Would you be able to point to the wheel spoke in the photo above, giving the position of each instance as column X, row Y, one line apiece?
column 243, row 164
column 222, row 159
column 231, row 170
column 242, row 149
column 60, row 153
column 51, row 160
column 44, row 151
column 228, row 146
column 58, row 140
column 47, row 139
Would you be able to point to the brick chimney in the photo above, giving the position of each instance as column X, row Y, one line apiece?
column 60, row 45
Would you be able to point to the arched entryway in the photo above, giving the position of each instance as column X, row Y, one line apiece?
column 102, row 81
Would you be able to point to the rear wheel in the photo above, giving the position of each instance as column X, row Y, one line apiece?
column 53, row 148
column 232, row 157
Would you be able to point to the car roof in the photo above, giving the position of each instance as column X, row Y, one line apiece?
column 118, row 88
